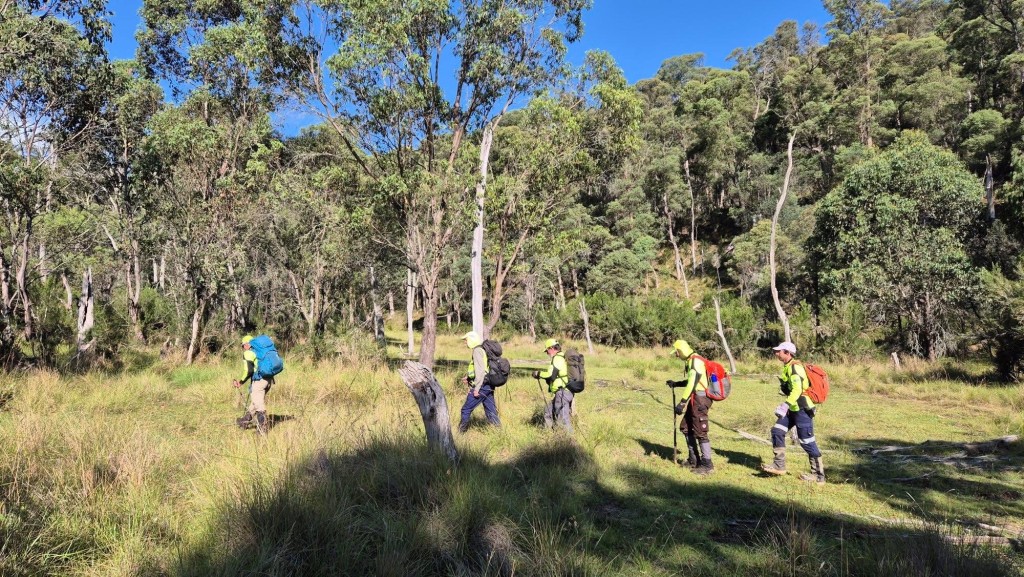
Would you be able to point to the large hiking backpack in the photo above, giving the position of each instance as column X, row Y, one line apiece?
column 719, row 383
column 818, row 389
column 268, row 362
column 498, row 367
column 577, row 371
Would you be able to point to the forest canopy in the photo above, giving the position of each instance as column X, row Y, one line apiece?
column 857, row 187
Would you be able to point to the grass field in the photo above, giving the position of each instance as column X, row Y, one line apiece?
column 144, row 473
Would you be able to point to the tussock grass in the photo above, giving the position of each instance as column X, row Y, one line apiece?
column 143, row 473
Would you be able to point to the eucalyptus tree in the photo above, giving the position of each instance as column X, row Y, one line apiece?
column 322, row 226
column 51, row 56
column 857, row 40
column 922, row 89
column 405, row 86
column 213, row 147
column 893, row 236
column 116, row 179
column 535, row 168
column 988, row 39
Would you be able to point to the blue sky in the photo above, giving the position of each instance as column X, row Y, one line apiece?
column 639, row 34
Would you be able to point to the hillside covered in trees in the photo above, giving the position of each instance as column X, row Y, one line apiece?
column 858, row 187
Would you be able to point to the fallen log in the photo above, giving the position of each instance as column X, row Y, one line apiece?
column 976, row 448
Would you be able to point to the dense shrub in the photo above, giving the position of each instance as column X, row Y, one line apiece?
column 638, row 321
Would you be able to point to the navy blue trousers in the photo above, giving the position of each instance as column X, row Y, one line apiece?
column 803, row 420
column 490, row 408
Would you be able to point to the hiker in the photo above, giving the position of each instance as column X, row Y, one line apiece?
column 480, row 391
column 556, row 375
column 796, row 411
column 694, row 408
column 259, row 386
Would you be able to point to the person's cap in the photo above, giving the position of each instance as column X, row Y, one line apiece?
column 683, row 347
column 472, row 339
column 550, row 343
column 246, row 339
column 786, row 346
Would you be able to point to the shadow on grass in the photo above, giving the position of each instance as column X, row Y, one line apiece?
column 275, row 420
column 392, row 507
column 661, row 451
column 983, row 479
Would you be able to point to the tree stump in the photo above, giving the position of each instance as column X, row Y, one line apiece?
column 433, row 407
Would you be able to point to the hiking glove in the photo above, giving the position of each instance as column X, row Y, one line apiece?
column 671, row 383
column 536, row 374
column 679, row 409
column 782, row 410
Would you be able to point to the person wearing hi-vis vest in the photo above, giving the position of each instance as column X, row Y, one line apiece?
column 694, row 408
column 556, row 375
column 480, row 391
column 796, row 411
column 258, row 388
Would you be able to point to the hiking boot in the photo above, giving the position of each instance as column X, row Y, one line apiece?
column 817, row 474
column 261, row 421
column 244, row 420
column 693, row 454
column 705, row 470
column 692, row 460
column 778, row 466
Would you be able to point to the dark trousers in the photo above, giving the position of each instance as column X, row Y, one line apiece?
column 559, row 410
column 803, row 420
column 695, row 419
column 490, row 408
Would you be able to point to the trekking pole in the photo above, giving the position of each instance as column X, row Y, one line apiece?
column 675, row 430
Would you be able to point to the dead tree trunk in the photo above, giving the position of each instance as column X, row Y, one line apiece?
column 433, row 407
column 771, row 246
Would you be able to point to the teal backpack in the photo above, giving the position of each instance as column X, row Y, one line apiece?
column 268, row 362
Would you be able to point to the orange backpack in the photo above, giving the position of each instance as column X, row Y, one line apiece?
column 719, row 385
column 818, row 389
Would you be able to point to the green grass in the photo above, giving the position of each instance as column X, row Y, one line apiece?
column 145, row 474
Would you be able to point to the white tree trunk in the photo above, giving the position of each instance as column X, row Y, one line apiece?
column 410, row 306
column 86, row 317
column 586, row 324
column 196, row 335
column 378, row 316
column 676, row 257
column 476, row 262
column 771, row 246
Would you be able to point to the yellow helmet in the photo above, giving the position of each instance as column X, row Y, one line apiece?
column 682, row 347
column 550, row 343
column 246, row 339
